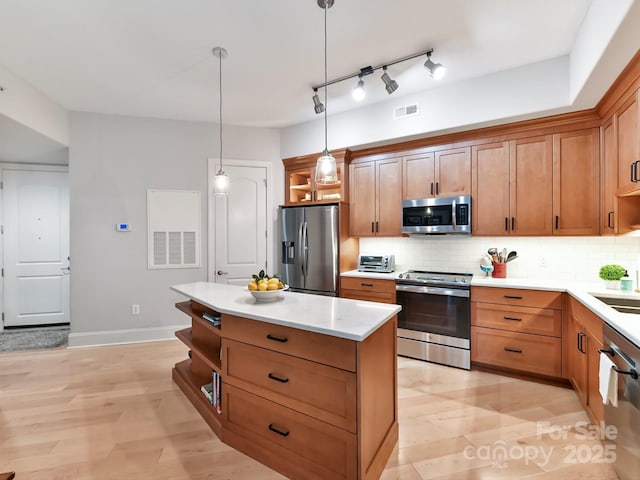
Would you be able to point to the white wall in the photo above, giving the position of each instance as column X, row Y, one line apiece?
column 28, row 106
column 113, row 160
column 530, row 91
column 555, row 258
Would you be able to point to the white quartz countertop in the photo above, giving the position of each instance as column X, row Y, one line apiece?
column 338, row 317
column 627, row 324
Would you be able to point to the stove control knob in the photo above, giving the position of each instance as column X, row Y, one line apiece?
column 400, row 276
column 407, row 276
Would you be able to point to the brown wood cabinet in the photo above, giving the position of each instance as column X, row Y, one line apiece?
column 440, row 173
column 300, row 185
column 298, row 401
column 376, row 197
column 583, row 341
column 628, row 146
column 517, row 329
column 490, row 189
column 576, row 177
column 531, row 165
column 371, row 289
column 609, row 178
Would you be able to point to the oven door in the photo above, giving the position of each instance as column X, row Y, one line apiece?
column 443, row 311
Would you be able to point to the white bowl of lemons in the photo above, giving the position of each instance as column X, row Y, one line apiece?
column 265, row 288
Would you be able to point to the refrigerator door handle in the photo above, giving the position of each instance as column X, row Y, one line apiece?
column 305, row 250
column 301, row 248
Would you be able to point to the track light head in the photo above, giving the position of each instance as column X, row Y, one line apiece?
column 359, row 92
column 317, row 104
column 436, row 70
column 389, row 84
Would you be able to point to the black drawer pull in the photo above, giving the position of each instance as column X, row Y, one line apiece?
column 513, row 318
column 277, row 339
column 609, row 220
column 367, row 284
column 513, row 297
column 512, row 350
column 277, row 378
column 279, row 432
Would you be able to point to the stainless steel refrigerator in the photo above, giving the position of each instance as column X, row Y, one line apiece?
column 309, row 248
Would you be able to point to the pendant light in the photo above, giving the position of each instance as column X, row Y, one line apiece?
column 326, row 169
column 221, row 180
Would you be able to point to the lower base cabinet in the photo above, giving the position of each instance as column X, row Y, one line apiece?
column 517, row 329
column 308, row 405
column 582, row 343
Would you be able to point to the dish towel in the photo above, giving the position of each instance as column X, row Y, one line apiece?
column 608, row 381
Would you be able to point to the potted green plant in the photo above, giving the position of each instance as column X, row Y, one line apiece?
column 611, row 274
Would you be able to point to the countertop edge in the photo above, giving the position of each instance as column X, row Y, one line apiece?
column 385, row 317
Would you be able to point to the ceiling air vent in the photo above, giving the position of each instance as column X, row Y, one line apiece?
column 406, row 111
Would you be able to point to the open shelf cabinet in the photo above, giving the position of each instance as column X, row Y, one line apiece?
column 204, row 342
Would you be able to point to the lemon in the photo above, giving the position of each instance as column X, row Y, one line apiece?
column 273, row 281
column 252, row 286
column 280, row 285
column 272, row 286
column 262, row 286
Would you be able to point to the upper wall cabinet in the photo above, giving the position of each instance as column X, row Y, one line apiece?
column 441, row 173
column 490, row 189
column 628, row 146
column 608, row 178
column 530, row 169
column 300, row 185
column 512, row 187
column 576, row 175
column 375, row 198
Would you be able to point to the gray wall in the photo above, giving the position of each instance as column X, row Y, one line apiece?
column 113, row 160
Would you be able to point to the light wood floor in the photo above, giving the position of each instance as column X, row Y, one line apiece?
column 114, row 413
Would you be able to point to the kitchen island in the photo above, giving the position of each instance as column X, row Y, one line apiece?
column 308, row 383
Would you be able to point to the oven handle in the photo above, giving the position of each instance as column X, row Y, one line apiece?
column 449, row 292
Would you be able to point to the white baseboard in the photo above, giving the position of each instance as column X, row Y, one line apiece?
column 117, row 337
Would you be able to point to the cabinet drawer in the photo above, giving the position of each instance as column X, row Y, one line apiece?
column 369, row 296
column 326, row 393
column 540, row 321
column 518, row 351
column 517, row 296
column 368, row 284
column 334, row 351
column 317, row 449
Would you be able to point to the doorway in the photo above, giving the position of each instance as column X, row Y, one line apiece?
column 240, row 222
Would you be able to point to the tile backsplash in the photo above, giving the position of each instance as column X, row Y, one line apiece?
column 557, row 258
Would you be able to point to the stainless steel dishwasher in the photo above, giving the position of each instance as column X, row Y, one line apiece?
column 626, row 416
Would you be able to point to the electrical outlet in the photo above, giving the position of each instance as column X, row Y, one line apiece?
column 135, row 309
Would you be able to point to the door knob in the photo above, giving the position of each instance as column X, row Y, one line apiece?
column 220, row 272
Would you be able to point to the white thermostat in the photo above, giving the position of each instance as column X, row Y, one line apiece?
column 123, row 227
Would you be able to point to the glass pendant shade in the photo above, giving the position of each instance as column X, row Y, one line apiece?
column 326, row 169
column 221, row 182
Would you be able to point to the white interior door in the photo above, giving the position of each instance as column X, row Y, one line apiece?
column 241, row 226
column 35, row 212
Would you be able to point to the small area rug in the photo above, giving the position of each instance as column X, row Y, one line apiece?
column 34, row 338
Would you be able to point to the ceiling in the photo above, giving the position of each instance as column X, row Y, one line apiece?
column 152, row 58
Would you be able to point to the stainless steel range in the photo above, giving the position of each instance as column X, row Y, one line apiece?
column 435, row 321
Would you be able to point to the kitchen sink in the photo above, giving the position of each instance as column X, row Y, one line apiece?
column 623, row 305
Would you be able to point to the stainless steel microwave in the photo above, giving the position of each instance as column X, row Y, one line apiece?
column 437, row 215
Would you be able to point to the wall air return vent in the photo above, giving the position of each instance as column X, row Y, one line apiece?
column 406, row 111
column 173, row 218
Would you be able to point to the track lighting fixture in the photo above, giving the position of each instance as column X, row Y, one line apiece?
column 358, row 92
column 317, row 104
column 389, row 84
column 436, row 70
